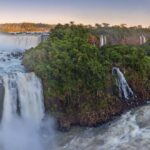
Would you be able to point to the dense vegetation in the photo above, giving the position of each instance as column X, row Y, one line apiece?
column 119, row 31
column 25, row 27
column 78, row 74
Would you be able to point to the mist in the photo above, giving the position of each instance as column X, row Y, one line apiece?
column 20, row 134
column 11, row 42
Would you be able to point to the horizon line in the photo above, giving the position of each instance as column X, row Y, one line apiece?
column 85, row 24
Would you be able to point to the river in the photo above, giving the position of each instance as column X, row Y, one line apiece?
column 25, row 126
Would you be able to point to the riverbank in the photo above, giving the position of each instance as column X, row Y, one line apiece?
column 121, row 133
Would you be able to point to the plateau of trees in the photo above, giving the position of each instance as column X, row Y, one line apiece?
column 25, row 27
column 72, row 68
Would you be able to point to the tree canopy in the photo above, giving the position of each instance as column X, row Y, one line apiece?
column 72, row 68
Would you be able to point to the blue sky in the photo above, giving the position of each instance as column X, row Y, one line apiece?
column 131, row 12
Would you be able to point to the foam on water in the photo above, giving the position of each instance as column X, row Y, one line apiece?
column 23, row 123
column 131, row 131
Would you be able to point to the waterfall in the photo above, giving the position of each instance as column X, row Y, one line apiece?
column 11, row 42
column 103, row 40
column 10, row 98
column 125, row 92
column 30, row 96
column 142, row 39
column 24, row 125
column 23, row 94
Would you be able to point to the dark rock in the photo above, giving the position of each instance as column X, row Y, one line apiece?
column 16, row 54
column 64, row 124
column 2, row 92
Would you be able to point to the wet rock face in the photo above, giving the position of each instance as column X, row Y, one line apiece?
column 95, row 118
column 13, row 55
column 64, row 124
column 2, row 92
column 133, row 40
column 88, row 117
column 16, row 55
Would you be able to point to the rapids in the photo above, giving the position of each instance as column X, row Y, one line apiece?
column 130, row 132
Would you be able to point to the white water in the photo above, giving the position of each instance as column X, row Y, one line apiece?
column 27, row 89
column 18, row 131
column 124, row 89
column 130, row 132
column 103, row 40
column 11, row 42
column 9, row 63
column 23, row 123
column 24, row 128
column 142, row 39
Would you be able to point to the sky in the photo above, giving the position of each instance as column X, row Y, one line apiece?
column 114, row 12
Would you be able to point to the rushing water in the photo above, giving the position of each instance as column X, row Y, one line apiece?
column 18, row 41
column 130, row 132
column 142, row 39
column 23, row 122
column 103, row 40
column 124, row 89
column 25, row 127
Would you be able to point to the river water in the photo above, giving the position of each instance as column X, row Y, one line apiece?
column 129, row 132
column 24, row 125
column 23, row 122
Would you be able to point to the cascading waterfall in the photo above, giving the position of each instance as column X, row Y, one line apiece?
column 30, row 96
column 125, row 91
column 23, row 122
column 18, row 41
column 23, row 114
column 24, row 125
column 103, row 40
column 10, row 98
column 23, row 94
column 142, row 39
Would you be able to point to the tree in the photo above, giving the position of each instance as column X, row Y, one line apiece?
column 98, row 25
column 105, row 24
column 139, row 27
column 123, row 25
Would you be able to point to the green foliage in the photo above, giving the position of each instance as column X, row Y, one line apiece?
column 119, row 32
column 127, row 57
column 73, row 70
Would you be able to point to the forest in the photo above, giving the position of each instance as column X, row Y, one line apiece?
column 25, row 27
column 77, row 73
